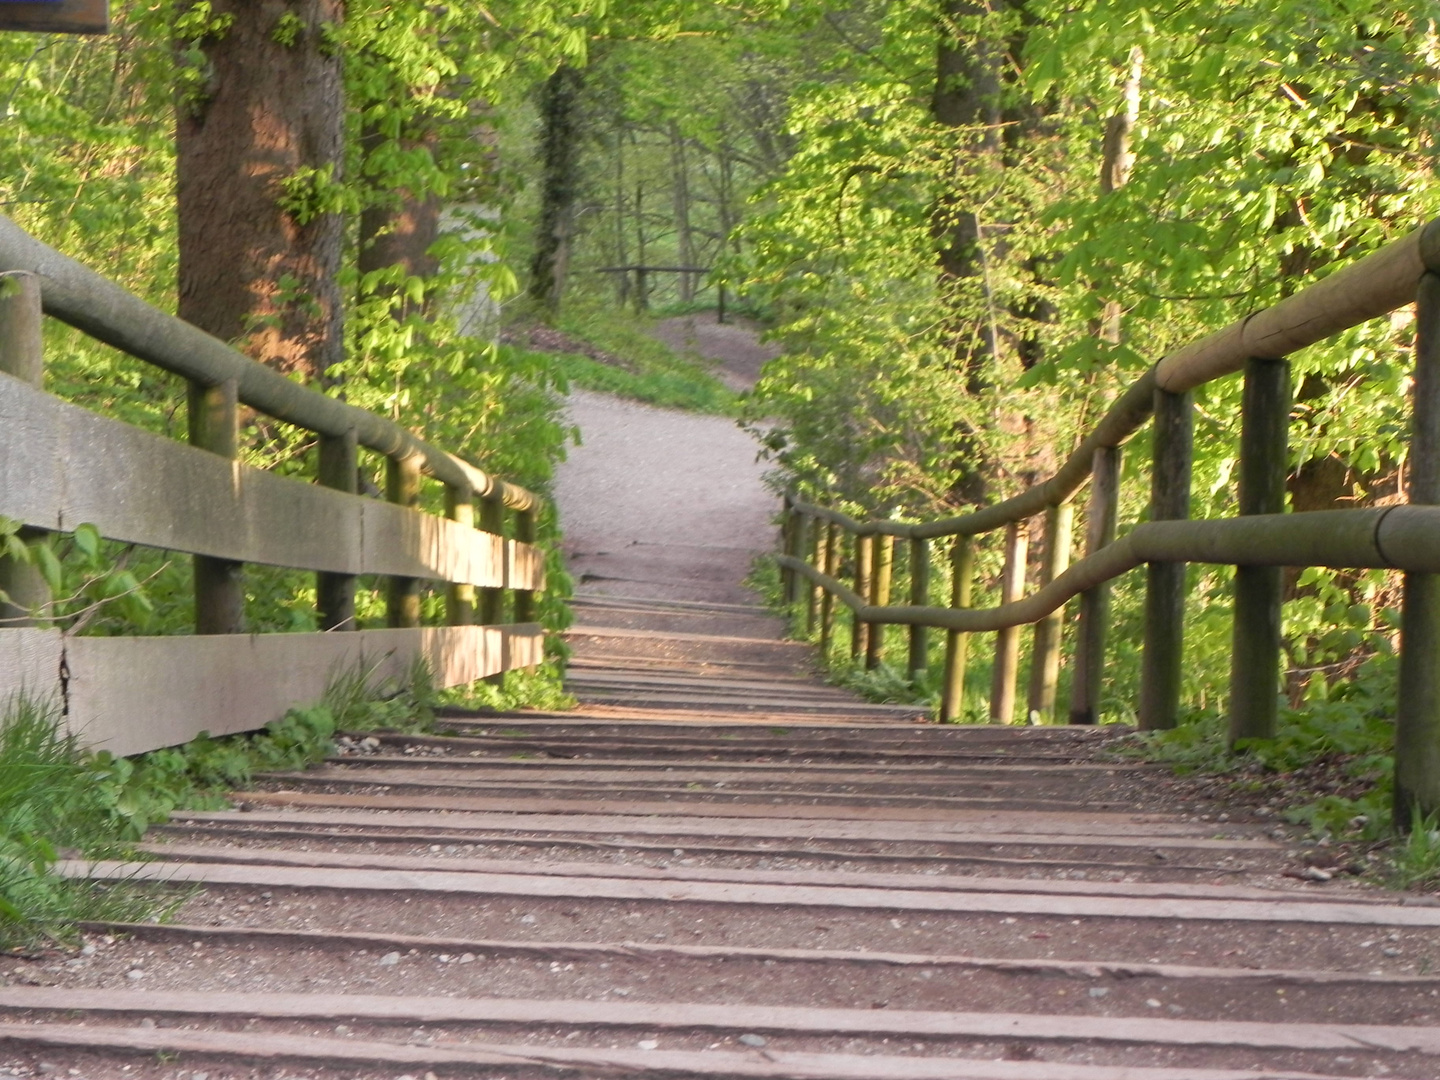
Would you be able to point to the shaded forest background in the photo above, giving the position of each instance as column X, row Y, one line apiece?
column 967, row 225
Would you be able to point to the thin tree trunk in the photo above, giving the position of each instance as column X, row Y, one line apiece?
column 680, row 187
column 258, row 152
column 1116, row 163
column 559, row 185
column 622, row 245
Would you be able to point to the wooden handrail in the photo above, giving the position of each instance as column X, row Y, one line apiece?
column 65, row 466
column 104, row 310
column 1405, row 538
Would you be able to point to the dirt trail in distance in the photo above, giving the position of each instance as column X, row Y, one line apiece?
column 665, row 504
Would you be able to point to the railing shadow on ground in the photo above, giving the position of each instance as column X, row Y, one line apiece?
column 64, row 466
column 1259, row 543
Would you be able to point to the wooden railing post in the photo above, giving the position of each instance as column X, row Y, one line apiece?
column 1101, row 518
column 1160, row 671
column 1049, row 631
column 22, row 355
column 402, row 487
column 525, row 532
column 919, row 597
column 819, row 560
column 339, row 469
column 864, row 555
column 957, row 645
column 1417, row 714
column 460, row 599
column 789, row 517
column 214, row 420
column 882, row 572
column 1007, row 641
column 492, row 599
column 827, row 601
column 795, row 548
column 1264, row 458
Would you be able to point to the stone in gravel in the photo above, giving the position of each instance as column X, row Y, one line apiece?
column 753, row 1040
column 648, row 1044
column 527, row 919
column 1099, row 991
column 1151, row 1003
column 134, row 973
column 390, row 959
column 467, row 958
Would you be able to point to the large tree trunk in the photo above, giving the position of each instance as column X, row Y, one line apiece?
column 258, row 146
column 559, row 185
column 967, row 95
column 398, row 228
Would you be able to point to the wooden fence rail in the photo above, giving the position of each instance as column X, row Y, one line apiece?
column 64, row 466
column 1258, row 542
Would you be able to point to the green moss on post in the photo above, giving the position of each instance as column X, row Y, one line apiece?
column 1417, row 714
column 831, row 568
column 1007, row 641
column 402, row 487
column 957, row 644
column 882, row 572
column 815, row 595
column 525, row 532
column 1049, row 631
column 919, row 659
column 22, row 355
column 864, row 552
column 1101, row 519
column 460, row 599
column 335, row 593
column 1255, row 649
column 219, row 583
column 1160, row 670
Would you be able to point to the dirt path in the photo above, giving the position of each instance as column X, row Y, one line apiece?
column 665, row 504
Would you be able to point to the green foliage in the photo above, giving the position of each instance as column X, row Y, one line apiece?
column 1330, row 763
column 50, row 802
column 541, row 689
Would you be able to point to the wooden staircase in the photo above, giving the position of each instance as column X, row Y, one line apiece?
column 719, row 867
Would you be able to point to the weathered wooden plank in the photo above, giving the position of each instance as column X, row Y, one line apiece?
column 779, row 1019
column 826, row 878
column 776, row 1064
column 29, row 664
column 970, row 818
column 575, row 950
column 133, row 694
column 917, row 832
column 711, row 892
column 149, row 490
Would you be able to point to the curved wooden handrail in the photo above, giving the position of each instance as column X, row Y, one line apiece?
column 1390, row 537
column 1367, row 289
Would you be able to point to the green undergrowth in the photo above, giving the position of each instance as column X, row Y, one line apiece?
column 539, row 689
column 679, row 385
column 627, row 360
column 1329, row 770
column 55, row 802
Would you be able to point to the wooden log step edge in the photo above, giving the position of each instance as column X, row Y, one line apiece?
column 309, row 1049
column 826, row 878
column 645, row 950
column 393, row 813
column 238, row 826
column 594, row 888
column 771, row 1019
